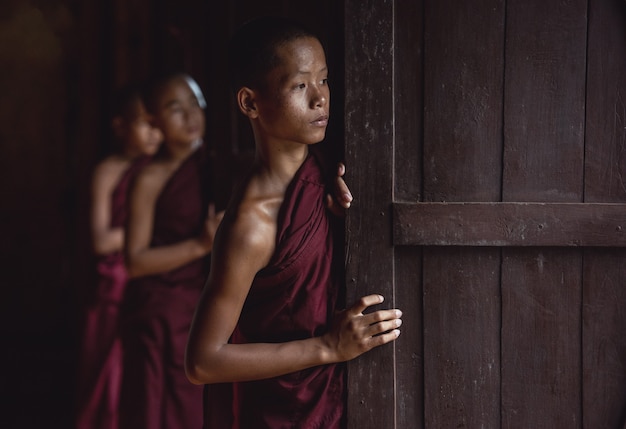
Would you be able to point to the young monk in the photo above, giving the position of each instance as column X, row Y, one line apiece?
column 100, row 371
column 170, row 235
column 268, row 318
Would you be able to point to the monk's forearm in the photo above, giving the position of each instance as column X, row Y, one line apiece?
column 157, row 260
column 108, row 241
column 246, row 362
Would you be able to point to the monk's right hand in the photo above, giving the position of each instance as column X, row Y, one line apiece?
column 340, row 200
column 354, row 333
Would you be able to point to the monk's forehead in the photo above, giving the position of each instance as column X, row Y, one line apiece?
column 300, row 56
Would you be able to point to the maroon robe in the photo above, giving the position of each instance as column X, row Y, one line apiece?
column 100, row 367
column 293, row 298
column 158, row 311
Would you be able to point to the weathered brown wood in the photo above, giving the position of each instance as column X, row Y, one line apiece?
column 509, row 224
column 604, row 270
column 408, row 172
column 603, row 339
column 544, row 100
column 605, row 157
column 544, row 113
column 408, row 100
column 461, row 337
column 409, row 352
column 541, row 355
column 463, row 72
column 369, row 144
column 546, row 159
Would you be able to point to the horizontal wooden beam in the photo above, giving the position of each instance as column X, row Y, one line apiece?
column 509, row 224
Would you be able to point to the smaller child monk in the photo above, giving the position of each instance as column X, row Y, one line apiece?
column 100, row 367
column 170, row 235
column 268, row 320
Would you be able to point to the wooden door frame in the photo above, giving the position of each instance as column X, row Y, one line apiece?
column 369, row 142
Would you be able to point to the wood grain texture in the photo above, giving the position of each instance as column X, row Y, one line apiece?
column 461, row 337
column 543, row 160
column 408, row 101
column 604, row 270
column 603, row 339
column 605, row 139
column 541, row 338
column 369, row 145
column 463, row 74
column 509, row 224
column 544, row 100
column 410, row 350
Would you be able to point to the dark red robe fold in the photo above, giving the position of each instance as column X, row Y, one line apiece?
column 100, row 371
column 158, row 311
column 293, row 298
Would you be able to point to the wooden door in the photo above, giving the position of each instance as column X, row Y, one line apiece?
column 485, row 144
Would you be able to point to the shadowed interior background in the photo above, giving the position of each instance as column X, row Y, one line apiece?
column 60, row 62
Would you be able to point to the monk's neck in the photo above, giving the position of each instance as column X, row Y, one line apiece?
column 279, row 165
column 178, row 153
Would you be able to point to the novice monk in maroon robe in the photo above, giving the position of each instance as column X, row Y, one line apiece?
column 160, row 309
column 294, row 297
column 100, row 366
column 170, row 235
column 267, row 320
column 100, row 372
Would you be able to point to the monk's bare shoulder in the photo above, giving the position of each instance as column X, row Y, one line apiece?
column 152, row 178
column 249, row 228
column 109, row 171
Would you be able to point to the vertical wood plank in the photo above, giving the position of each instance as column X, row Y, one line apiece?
column 463, row 72
column 604, row 342
column 408, row 100
column 369, row 139
column 410, row 351
column 408, row 172
column 543, row 161
column 604, row 275
column 605, row 143
column 544, row 106
column 461, row 341
column 464, row 57
column 541, row 339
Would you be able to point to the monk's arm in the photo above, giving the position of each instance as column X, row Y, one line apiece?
column 211, row 359
column 141, row 258
column 105, row 239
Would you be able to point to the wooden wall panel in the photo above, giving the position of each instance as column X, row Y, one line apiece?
column 541, row 339
column 544, row 95
column 463, row 72
column 543, row 161
column 369, row 147
column 461, row 337
column 604, row 272
column 408, row 100
column 409, row 353
column 605, row 140
column 603, row 339
column 407, row 186
column 463, row 60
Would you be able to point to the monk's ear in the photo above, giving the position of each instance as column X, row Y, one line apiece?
column 246, row 102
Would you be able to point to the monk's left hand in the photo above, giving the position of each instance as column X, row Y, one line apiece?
column 341, row 199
